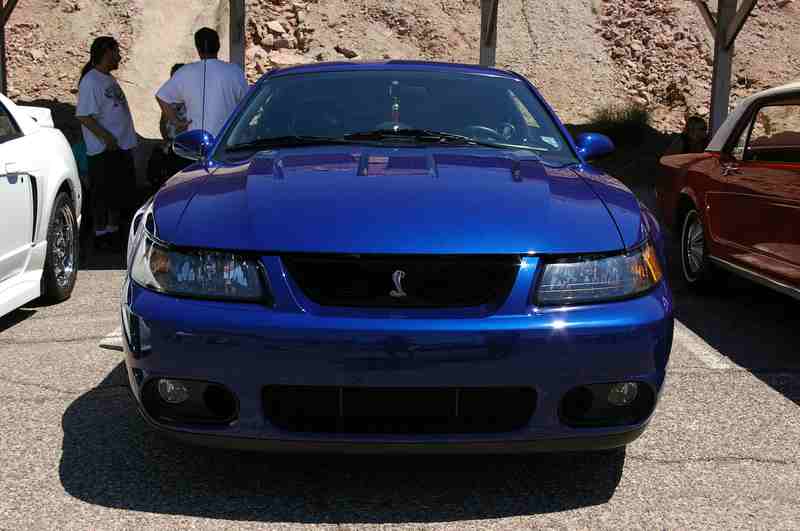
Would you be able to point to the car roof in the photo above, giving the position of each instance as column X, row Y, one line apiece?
column 394, row 64
column 721, row 137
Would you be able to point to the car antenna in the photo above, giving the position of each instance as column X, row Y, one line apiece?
column 203, row 112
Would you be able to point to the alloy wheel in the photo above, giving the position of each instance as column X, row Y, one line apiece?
column 693, row 247
column 63, row 249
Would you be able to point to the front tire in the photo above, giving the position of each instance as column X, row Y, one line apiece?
column 697, row 270
column 61, row 263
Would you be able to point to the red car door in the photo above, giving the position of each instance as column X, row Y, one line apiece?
column 754, row 201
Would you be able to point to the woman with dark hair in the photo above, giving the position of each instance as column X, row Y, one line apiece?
column 110, row 137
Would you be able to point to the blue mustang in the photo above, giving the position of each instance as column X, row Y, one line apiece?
column 398, row 256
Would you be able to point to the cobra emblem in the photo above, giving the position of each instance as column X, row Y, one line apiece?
column 397, row 278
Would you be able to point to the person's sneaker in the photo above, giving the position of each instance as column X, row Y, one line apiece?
column 100, row 232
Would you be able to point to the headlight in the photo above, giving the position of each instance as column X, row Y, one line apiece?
column 576, row 281
column 198, row 273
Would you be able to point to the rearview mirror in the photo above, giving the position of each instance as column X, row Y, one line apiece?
column 592, row 146
column 193, row 145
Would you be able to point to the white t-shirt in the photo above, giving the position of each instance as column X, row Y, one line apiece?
column 100, row 96
column 225, row 86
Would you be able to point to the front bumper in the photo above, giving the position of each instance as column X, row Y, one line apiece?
column 246, row 347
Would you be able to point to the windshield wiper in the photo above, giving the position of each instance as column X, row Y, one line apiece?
column 284, row 141
column 416, row 134
column 429, row 135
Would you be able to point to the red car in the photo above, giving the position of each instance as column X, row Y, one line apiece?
column 737, row 206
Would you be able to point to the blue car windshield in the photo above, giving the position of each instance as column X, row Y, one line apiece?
column 397, row 106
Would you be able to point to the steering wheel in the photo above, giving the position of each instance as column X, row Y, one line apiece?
column 483, row 131
column 508, row 131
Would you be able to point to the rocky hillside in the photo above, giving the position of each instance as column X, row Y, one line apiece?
column 47, row 44
column 582, row 54
column 663, row 53
column 286, row 32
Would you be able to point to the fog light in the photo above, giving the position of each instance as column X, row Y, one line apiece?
column 172, row 391
column 623, row 394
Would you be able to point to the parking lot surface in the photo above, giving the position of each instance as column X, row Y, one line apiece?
column 722, row 450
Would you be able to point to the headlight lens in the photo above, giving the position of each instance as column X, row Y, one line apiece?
column 198, row 273
column 571, row 281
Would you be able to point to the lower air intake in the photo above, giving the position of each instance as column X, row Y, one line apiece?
column 365, row 410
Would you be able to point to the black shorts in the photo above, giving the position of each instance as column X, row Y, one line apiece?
column 113, row 179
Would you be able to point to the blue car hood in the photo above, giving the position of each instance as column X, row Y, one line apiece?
column 356, row 199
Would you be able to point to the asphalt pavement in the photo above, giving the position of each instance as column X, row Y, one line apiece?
column 722, row 450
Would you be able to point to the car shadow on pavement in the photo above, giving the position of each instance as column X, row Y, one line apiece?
column 753, row 326
column 15, row 317
column 112, row 458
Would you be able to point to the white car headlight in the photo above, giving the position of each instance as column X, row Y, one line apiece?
column 198, row 273
column 584, row 280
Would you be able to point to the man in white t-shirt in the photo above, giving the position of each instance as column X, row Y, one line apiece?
column 109, row 134
column 211, row 89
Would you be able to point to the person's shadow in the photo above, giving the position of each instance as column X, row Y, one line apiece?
column 113, row 459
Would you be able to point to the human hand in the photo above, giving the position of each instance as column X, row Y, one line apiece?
column 110, row 142
column 182, row 125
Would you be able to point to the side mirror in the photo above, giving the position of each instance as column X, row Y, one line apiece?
column 592, row 146
column 193, row 145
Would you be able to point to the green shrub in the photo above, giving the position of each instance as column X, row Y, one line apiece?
column 625, row 124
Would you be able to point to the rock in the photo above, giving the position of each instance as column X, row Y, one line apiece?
column 37, row 55
column 303, row 42
column 285, row 42
column 282, row 58
column 321, row 55
column 255, row 54
column 268, row 42
column 260, row 34
column 274, row 26
column 347, row 52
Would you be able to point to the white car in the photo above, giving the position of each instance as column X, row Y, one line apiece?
column 40, row 205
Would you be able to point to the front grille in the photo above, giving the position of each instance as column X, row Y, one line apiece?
column 367, row 410
column 404, row 281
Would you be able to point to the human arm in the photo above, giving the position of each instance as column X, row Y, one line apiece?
column 99, row 131
column 168, row 111
column 162, row 126
column 88, row 108
column 168, row 96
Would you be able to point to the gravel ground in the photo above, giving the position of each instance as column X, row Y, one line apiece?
column 721, row 452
